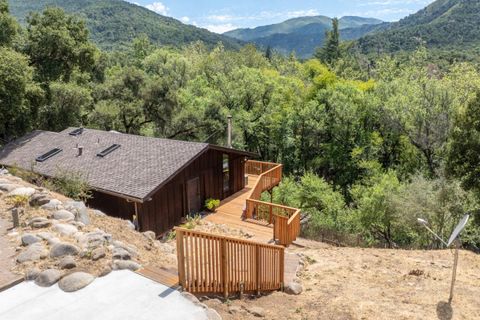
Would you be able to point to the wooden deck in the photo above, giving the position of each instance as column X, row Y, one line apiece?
column 230, row 213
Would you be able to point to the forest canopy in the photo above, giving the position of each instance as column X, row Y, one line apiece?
column 367, row 146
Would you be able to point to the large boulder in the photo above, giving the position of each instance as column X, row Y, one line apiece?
column 53, row 204
column 126, row 264
column 63, row 249
column 80, row 210
column 39, row 199
column 257, row 311
column 130, row 248
column 98, row 253
column 93, row 239
column 22, row 191
column 294, row 288
column 121, row 254
column 32, row 274
column 34, row 252
column 8, row 187
column 65, row 229
column 63, row 215
column 48, row 277
column 39, row 222
column 28, row 239
column 67, row 262
column 75, row 281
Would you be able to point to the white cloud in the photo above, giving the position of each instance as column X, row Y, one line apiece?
column 158, row 7
column 303, row 13
column 220, row 28
column 185, row 19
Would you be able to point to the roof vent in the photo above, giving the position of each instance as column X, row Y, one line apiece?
column 48, row 155
column 109, row 150
column 76, row 132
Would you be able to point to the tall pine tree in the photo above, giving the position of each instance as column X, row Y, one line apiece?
column 330, row 52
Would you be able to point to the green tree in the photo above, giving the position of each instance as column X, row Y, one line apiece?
column 18, row 94
column 58, row 43
column 464, row 148
column 8, row 25
column 68, row 104
column 120, row 102
column 330, row 52
column 374, row 213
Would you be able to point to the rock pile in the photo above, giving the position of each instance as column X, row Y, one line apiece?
column 61, row 240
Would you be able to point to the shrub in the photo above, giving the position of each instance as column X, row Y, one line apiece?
column 70, row 184
column 18, row 201
column 212, row 204
column 192, row 221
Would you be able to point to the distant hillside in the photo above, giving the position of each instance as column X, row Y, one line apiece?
column 303, row 34
column 115, row 23
column 444, row 24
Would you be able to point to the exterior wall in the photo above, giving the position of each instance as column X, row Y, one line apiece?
column 169, row 204
column 112, row 205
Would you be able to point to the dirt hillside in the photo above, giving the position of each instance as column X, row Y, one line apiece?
column 352, row 283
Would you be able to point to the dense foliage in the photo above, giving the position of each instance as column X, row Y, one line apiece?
column 366, row 150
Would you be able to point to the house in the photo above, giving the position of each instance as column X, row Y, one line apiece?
column 159, row 180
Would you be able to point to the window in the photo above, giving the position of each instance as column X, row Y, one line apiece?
column 48, row 155
column 226, row 173
column 76, row 132
column 109, row 150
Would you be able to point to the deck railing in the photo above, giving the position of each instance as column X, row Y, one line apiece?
column 210, row 263
column 286, row 220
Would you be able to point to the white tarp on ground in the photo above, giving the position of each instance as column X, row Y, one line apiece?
column 120, row 295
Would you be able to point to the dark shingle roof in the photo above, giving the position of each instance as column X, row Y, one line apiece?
column 134, row 170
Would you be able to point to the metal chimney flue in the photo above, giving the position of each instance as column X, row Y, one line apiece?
column 80, row 151
column 229, row 131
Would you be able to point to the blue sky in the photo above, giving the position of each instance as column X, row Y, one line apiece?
column 223, row 15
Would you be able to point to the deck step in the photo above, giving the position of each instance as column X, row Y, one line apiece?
column 165, row 276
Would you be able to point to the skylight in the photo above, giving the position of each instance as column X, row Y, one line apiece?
column 109, row 150
column 48, row 155
column 76, row 132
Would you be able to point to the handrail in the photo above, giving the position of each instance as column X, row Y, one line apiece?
column 286, row 220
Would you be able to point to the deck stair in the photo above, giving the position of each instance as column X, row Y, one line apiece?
column 166, row 276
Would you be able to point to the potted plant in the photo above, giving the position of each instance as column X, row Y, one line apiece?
column 212, row 204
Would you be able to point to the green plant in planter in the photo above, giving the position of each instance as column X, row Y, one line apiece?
column 212, row 204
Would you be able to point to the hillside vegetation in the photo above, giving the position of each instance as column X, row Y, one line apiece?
column 302, row 35
column 444, row 24
column 113, row 24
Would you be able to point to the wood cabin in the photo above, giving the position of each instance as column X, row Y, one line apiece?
column 159, row 180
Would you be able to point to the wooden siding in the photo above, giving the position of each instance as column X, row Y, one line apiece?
column 112, row 205
column 169, row 204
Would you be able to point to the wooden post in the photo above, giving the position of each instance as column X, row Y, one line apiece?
column 180, row 258
column 257, row 268
column 282, row 268
column 224, row 264
column 15, row 218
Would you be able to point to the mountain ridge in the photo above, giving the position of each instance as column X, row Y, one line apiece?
column 114, row 24
column 444, row 24
column 289, row 35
